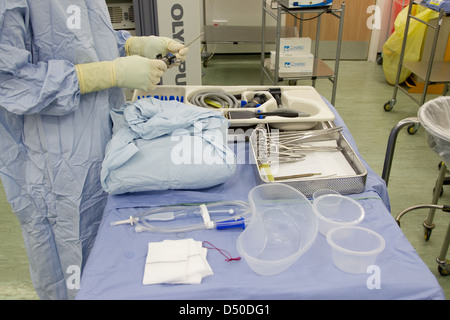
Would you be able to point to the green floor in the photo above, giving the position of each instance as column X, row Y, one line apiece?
column 361, row 94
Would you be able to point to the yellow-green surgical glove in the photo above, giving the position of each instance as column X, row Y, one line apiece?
column 150, row 47
column 133, row 72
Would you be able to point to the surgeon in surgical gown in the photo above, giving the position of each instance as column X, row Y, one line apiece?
column 62, row 69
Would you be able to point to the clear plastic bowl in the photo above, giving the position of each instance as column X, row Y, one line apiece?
column 283, row 227
column 334, row 210
column 354, row 249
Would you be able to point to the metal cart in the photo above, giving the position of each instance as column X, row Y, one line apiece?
column 237, row 35
column 320, row 69
column 234, row 34
column 429, row 70
column 441, row 146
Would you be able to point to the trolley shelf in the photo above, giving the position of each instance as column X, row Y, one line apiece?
column 243, row 34
column 441, row 70
column 322, row 70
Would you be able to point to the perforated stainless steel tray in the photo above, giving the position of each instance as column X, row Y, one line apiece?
column 349, row 183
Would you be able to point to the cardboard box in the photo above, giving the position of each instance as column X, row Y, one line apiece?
column 293, row 63
column 295, row 46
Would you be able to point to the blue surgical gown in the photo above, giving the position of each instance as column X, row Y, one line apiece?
column 52, row 138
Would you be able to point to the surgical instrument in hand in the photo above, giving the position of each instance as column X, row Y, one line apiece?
column 196, row 38
column 171, row 58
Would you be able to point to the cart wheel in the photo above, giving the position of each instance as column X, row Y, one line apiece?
column 292, row 82
column 380, row 61
column 427, row 233
column 412, row 129
column 443, row 271
column 205, row 63
column 387, row 106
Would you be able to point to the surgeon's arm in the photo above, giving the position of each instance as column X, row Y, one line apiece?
column 133, row 72
column 150, row 47
column 26, row 88
column 122, row 36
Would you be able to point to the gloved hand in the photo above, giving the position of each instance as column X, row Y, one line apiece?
column 133, row 72
column 152, row 46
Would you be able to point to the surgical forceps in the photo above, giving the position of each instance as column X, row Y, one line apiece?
column 289, row 146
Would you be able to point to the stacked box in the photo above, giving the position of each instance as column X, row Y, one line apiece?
column 295, row 55
column 295, row 46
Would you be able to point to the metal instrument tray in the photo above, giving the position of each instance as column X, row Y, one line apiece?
column 342, row 170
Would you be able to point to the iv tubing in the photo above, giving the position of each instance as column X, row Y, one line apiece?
column 236, row 218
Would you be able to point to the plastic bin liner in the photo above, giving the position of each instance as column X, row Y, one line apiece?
column 434, row 116
column 393, row 46
column 437, row 5
column 397, row 6
column 162, row 145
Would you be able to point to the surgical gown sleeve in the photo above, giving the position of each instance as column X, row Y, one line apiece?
column 49, row 88
column 122, row 37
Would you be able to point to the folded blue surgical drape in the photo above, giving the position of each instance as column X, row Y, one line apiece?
column 52, row 139
column 161, row 145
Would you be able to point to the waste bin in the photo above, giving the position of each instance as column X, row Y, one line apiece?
column 434, row 116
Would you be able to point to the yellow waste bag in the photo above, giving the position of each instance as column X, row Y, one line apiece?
column 393, row 46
